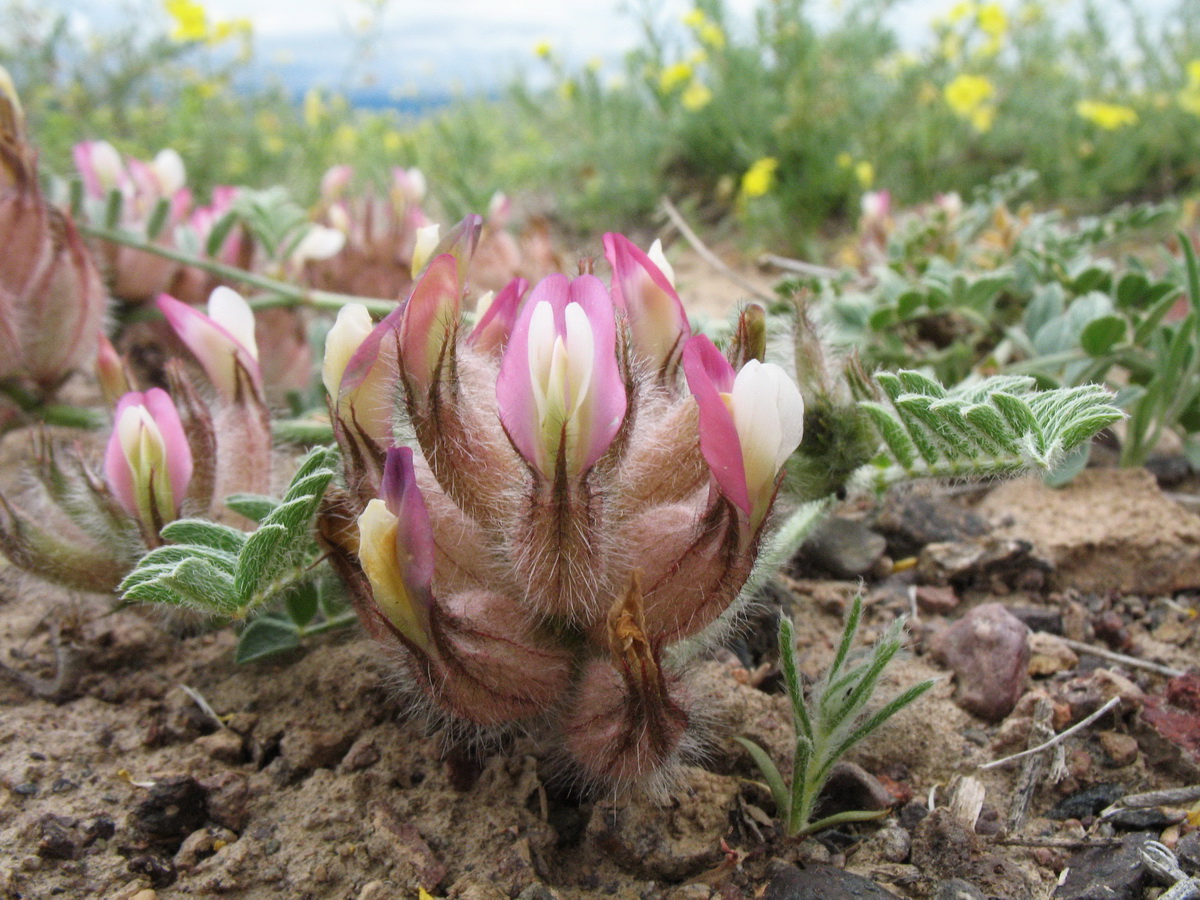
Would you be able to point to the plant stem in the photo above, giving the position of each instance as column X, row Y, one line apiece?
column 341, row 621
column 281, row 293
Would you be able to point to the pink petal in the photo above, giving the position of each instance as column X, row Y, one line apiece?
column 656, row 316
column 116, row 467
column 175, row 443
column 709, row 375
column 514, row 386
column 492, row 330
column 429, row 316
column 607, row 389
column 217, row 351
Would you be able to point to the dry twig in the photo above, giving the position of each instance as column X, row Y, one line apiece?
column 1062, row 736
column 1121, row 658
column 709, row 257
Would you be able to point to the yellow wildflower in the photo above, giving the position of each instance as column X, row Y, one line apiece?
column 960, row 11
column 992, row 20
column 1109, row 116
column 694, row 18
column 760, row 177
column 543, row 49
column 711, row 35
column 983, row 118
column 844, row 160
column 967, row 93
column 191, row 21
column 345, row 140
column 1189, row 97
column 865, row 173
column 314, row 109
column 673, row 76
column 392, row 141
column 696, row 97
column 952, row 46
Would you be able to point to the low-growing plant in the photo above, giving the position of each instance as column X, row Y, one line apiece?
column 830, row 721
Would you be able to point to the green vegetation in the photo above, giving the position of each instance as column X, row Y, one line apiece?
column 783, row 126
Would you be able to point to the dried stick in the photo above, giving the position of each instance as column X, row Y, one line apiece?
column 799, row 266
column 1062, row 736
column 709, row 257
column 1034, row 769
column 1122, row 658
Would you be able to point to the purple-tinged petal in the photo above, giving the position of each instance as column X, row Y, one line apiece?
column 492, row 330
column 657, row 319
column 709, row 375
column 414, row 532
column 460, row 242
column 395, row 547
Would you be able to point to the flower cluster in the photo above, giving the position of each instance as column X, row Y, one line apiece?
column 540, row 507
column 169, row 454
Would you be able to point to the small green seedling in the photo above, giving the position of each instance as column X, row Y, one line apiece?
column 829, row 723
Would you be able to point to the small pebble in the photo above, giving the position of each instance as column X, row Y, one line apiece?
column 1121, row 749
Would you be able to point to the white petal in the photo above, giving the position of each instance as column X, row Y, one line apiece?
column 168, row 169
column 660, row 259
column 106, row 163
column 227, row 308
column 427, row 240
column 581, row 354
column 318, row 243
column 351, row 328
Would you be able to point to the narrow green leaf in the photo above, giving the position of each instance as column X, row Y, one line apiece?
column 771, row 775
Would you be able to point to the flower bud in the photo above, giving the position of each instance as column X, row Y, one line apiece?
column 51, row 297
column 148, row 463
column 395, row 547
column 110, row 372
column 222, row 341
column 360, row 374
column 646, row 294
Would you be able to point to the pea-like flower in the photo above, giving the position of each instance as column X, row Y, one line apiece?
column 750, row 423
column 148, row 463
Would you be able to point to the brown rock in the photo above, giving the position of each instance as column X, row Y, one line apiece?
column 416, row 864
column 989, row 653
column 225, row 746
column 1108, row 530
column 305, row 749
column 1048, row 654
column 671, row 841
column 936, row 601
